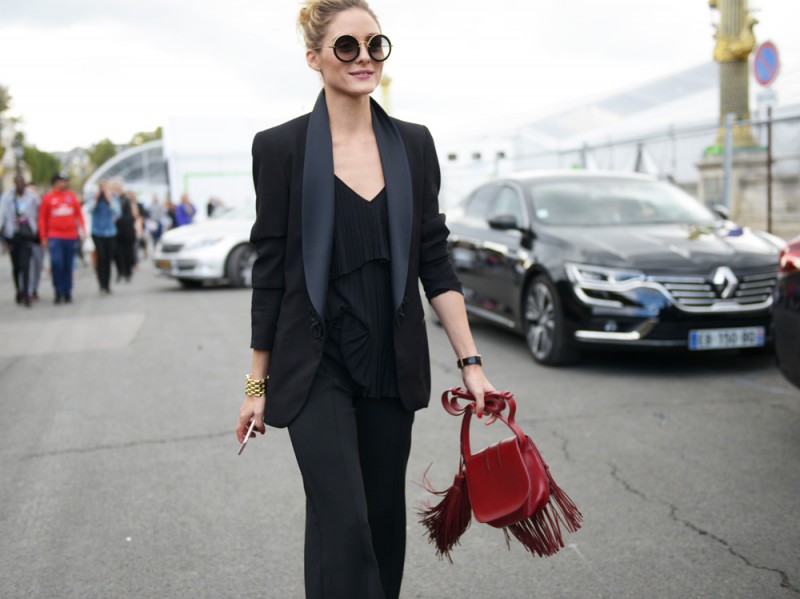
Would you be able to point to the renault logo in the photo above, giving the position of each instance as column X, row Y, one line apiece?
column 725, row 282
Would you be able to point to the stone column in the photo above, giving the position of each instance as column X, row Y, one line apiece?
column 735, row 42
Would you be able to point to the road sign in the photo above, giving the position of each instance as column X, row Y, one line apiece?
column 766, row 63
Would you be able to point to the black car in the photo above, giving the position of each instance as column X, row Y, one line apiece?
column 787, row 312
column 579, row 259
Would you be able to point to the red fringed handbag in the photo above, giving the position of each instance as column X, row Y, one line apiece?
column 506, row 485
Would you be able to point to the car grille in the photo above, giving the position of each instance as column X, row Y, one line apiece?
column 171, row 248
column 698, row 294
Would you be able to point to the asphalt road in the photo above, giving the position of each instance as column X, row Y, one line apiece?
column 119, row 474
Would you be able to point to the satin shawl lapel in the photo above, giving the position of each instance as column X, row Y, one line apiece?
column 318, row 202
column 318, row 205
column 397, row 175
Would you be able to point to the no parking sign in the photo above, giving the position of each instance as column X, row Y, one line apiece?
column 766, row 64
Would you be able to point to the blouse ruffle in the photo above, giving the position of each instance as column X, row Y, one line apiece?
column 360, row 314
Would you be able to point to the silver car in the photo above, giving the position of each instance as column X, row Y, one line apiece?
column 217, row 251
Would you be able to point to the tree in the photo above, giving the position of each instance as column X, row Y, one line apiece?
column 145, row 136
column 5, row 103
column 101, row 152
column 5, row 99
column 42, row 165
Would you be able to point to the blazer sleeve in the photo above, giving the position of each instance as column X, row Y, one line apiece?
column 435, row 269
column 268, row 235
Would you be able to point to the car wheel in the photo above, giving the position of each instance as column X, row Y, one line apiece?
column 239, row 267
column 545, row 331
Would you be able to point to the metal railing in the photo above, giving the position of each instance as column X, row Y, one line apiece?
column 672, row 153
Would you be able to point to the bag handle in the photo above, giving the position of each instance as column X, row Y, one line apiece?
column 495, row 402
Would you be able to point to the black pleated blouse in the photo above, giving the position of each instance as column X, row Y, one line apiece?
column 359, row 311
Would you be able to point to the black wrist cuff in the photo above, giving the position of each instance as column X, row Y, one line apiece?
column 469, row 361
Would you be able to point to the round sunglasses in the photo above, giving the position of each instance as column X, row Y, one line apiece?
column 347, row 47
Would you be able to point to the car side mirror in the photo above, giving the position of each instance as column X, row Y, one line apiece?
column 504, row 222
column 721, row 211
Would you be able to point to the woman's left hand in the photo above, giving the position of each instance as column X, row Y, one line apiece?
column 477, row 384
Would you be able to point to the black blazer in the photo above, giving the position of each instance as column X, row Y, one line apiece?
column 284, row 317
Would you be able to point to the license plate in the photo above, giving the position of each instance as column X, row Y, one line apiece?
column 701, row 339
column 164, row 264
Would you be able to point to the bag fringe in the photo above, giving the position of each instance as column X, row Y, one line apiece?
column 568, row 513
column 541, row 533
column 450, row 518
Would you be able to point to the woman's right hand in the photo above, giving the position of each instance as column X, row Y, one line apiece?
column 252, row 408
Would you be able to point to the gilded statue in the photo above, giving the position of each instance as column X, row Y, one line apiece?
column 735, row 47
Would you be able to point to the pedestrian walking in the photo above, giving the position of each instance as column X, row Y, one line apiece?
column 142, row 216
column 37, row 264
column 61, row 229
column 37, row 254
column 347, row 226
column 185, row 211
column 105, row 210
column 171, row 220
column 126, row 233
column 155, row 220
column 19, row 215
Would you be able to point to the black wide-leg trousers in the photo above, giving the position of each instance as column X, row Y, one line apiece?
column 104, row 250
column 352, row 453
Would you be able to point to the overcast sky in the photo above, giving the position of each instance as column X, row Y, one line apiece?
column 83, row 70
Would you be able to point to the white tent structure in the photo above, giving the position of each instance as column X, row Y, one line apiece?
column 210, row 157
column 202, row 157
column 143, row 168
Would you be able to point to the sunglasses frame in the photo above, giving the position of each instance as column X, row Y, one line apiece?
column 366, row 43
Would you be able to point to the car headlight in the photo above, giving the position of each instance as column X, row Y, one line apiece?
column 612, row 278
column 602, row 286
column 203, row 243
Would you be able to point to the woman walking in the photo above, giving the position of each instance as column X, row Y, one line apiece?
column 105, row 211
column 126, row 236
column 347, row 225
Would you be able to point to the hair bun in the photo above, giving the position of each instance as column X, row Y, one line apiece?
column 304, row 16
column 315, row 16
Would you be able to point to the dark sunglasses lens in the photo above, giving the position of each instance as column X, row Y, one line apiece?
column 379, row 48
column 346, row 48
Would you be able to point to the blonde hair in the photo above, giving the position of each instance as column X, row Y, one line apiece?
column 316, row 15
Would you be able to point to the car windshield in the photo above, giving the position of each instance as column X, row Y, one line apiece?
column 608, row 201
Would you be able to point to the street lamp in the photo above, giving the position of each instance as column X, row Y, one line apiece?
column 19, row 152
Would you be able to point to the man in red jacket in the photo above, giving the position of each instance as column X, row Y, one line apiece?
column 61, row 228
